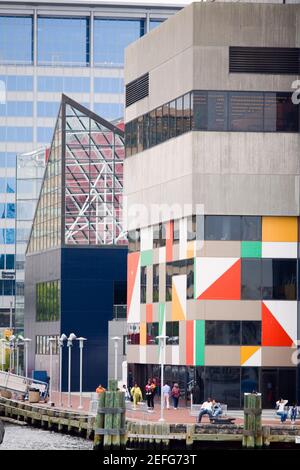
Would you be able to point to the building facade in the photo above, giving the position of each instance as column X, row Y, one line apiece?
column 212, row 185
column 75, row 269
column 50, row 48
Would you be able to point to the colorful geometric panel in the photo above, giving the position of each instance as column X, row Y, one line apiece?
column 190, row 252
column 279, row 250
column 149, row 313
column 250, row 356
column 143, row 334
column 146, row 258
column 199, row 341
column 169, row 241
column 279, row 229
column 162, row 319
column 217, row 278
column 146, row 238
column 133, row 287
column 189, row 343
column 279, row 323
column 179, row 297
column 251, row 250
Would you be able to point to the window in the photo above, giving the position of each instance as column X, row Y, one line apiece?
column 176, row 232
column 140, row 134
column 133, row 333
column 155, row 23
column 217, row 111
column 26, row 210
column 133, row 240
column 108, row 85
column 172, row 119
column 63, row 84
column 109, row 111
column 179, row 116
column 279, row 279
column 199, row 110
column 42, row 345
column 112, row 36
column 44, row 134
column 218, row 227
column 159, row 125
column 10, row 261
column 48, row 301
column 16, row 134
column 172, row 331
column 251, row 333
column 152, row 129
column 152, row 333
column 222, row 332
column 224, row 384
column 7, row 160
column 155, row 282
column 10, row 211
column 17, row 82
column 63, row 41
column 251, row 228
column 17, row 108
column 246, row 111
column 165, row 122
column 251, row 279
column 47, row 109
column 159, row 235
column 143, row 284
column 7, row 287
column 16, row 39
column 9, row 236
column 174, row 268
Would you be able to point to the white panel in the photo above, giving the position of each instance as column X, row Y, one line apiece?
column 182, row 238
column 162, row 254
column 143, row 354
column 146, row 238
column 279, row 249
column 175, row 355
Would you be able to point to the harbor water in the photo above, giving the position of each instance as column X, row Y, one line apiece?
column 28, row 438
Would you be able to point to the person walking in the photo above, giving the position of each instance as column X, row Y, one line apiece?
column 206, row 409
column 280, row 404
column 293, row 412
column 166, row 395
column 126, row 393
column 136, row 394
column 149, row 392
column 175, row 395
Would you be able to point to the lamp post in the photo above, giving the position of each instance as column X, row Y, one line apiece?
column 26, row 343
column 20, row 339
column 116, row 340
column 81, row 341
column 11, row 340
column 3, row 343
column 61, row 340
column 51, row 341
column 71, row 338
column 162, row 342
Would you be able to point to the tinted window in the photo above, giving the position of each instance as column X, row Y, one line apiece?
column 251, row 333
column 172, row 331
column 218, row 227
column 16, row 39
column 112, row 36
column 279, row 279
column 152, row 333
column 251, row 279
column 249, row 380
column 251, row 228
column 63, row 41
column 143, row 284
column 223, row 384
column 200, row 110
column 287, row 114
column 246, row 111
column 172, row 118
column 155, row 282
column 217, row 111
column 222, row 332
column 179, row 116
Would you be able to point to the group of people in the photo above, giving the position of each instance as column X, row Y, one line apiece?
column 210, row 407
column 150, row 391
column 283, row 412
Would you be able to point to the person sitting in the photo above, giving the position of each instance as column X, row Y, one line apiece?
column 216, row 409
column 206, row 409
column 280, row 404
column 100, row 389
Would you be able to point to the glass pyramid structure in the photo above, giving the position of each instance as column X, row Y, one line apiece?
column 80, row 201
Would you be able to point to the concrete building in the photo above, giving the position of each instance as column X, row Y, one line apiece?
column 75, row 269
column 52, row 47
column 212, row 139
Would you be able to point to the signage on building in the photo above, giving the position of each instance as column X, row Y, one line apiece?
column 8, row 275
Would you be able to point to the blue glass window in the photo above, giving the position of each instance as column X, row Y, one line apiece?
column 9, row 236
column 1, row 261
column 63, row 41
column 47, row 108
column 2, row 210
column 44, row 134
column 17, row 82
column 10, row 261
column 108, row 85
column 16, row 39
column 10, row 185
column 7, row 160
column 155, row 23
column 64, row 84
column 112, row 36
column 16, row 108
column 109, row 110
column 10, row 211
column 16, row 134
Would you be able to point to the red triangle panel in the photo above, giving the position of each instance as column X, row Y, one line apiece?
column 272, row 332
column 227, row 286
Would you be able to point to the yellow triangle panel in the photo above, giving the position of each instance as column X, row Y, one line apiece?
column 247, row 352
column 177, row 310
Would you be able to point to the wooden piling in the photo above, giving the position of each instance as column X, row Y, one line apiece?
column 252, row 433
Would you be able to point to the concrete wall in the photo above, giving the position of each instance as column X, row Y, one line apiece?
column 116, row 328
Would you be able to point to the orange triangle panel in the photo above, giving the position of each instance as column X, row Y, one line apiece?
column 132, row 266
column 227, row 286
column 272, row 332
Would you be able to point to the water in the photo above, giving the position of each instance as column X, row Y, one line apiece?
column 25, row 437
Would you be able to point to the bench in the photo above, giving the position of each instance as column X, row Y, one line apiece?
column 220, row 420
column 195, row 409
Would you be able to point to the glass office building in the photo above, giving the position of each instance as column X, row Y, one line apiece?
column 47, row 50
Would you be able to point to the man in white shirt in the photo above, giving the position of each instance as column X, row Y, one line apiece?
column 280, row 404
column 166, row 395
column 206, row 409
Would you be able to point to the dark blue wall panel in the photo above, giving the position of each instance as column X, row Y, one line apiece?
column 87, row 283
